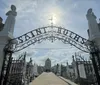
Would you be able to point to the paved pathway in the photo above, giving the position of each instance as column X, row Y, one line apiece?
column 68, row 81
column 48, row 79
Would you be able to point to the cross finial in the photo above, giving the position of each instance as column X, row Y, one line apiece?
column 51, row 19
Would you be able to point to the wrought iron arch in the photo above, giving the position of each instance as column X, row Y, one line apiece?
column 48, row 33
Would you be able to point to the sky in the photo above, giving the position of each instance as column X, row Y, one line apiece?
column 32, row 14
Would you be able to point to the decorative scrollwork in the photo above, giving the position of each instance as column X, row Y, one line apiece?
column 49, row 33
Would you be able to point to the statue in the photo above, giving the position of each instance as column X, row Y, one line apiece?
column 30, row 60
column 10, row 21
column 93, row 26
column 1, row 24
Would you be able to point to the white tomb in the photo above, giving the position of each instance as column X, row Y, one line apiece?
column 35, row 70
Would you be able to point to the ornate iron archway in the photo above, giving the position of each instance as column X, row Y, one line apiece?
column 48, row 33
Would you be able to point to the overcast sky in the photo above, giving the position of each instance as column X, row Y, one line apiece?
column 70, row 14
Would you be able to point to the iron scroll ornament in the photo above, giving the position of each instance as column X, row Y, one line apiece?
column 48, row 33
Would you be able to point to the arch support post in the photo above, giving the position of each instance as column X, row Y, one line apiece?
column 95, row 58
column 6, row 67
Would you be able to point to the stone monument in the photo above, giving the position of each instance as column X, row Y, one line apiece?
column 94, row 36
column 94, row 31
column 6, row 33
column 35, row 70
column 8, row 28
column 93, row 25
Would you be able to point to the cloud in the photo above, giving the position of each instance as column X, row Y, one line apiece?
column 32, row 14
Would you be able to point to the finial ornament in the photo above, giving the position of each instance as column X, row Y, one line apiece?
column 51, row 19
column 10, row 21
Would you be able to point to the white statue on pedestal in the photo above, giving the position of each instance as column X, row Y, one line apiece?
column 10, row 21
column 92, row 23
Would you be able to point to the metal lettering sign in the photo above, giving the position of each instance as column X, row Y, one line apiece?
column 46, row 33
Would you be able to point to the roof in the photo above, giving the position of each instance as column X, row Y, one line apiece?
column 48, row 59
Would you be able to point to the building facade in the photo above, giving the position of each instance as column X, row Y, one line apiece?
column 48, row 65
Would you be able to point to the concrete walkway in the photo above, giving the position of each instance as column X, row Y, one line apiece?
column 51, row 79
column 68, row 81
column 48, row 79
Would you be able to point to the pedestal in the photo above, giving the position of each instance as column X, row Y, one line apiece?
column 4, row 39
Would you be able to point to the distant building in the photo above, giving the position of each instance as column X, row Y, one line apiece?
column 63, row 71
column 58, row 69
column 40, row 69
column 29, row 71
column 70, row 71
column 35, row 70
column 48, row 65
column 54, row 69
